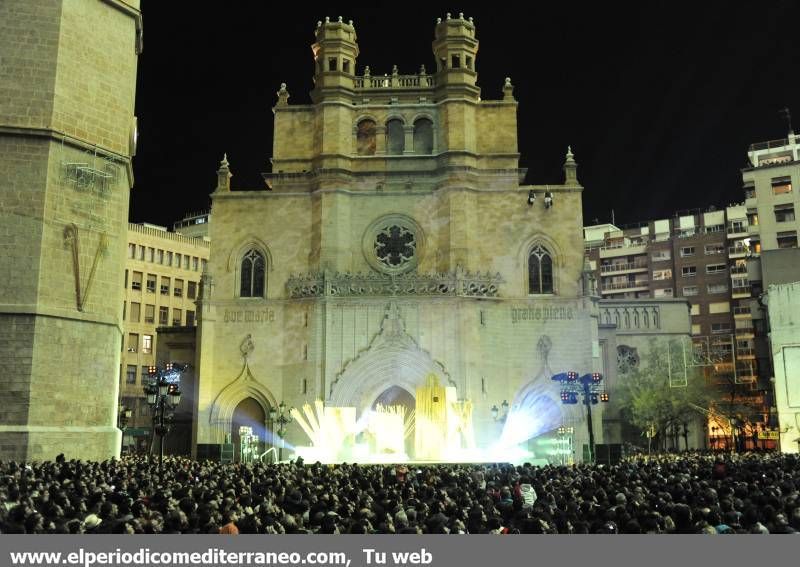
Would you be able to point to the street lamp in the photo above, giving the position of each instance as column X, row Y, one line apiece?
column 279, row 416
column 163, row 396
column 124, row 415
column 496, row 413
column 587, row 385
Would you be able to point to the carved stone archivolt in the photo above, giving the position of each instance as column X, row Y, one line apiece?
column 393, row 358
column 245, row 385
column 451, row 284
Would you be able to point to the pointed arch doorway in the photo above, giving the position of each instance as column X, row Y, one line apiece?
column 398, row 396
column 250, row 413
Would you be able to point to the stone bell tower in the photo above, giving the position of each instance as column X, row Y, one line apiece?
column 335, row 52
column 67, row 137
column 456, row 49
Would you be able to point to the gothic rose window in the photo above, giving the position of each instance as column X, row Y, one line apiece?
column 395, row 246
column 627, row 359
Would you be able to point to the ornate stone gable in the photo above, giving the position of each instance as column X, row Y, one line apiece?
column 393, row 358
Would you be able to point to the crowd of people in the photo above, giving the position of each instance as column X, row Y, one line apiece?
column 684, row 493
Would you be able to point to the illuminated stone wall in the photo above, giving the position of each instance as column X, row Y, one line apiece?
column 66, row 125
column 784, row 317
column 338, row 325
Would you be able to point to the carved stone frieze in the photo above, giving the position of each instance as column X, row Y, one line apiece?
column 452, row 284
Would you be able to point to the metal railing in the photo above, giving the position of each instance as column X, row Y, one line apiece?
column 630, row 244
column 783, row 142
column 741, row 289
column 622, row 267
column 625, row 285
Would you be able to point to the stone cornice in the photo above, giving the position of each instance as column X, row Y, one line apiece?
column 78, row 143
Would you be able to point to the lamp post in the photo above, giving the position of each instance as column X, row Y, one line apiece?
column 588, row 386
column 163, row 395
column 279, row 416
column 124, row 415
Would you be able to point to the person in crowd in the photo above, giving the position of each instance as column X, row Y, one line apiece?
column 755, row 493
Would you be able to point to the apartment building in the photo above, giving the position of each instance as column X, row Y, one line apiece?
column 162, row 280
column 694, row 255
column 771, row 199
column 195, row 225
column 702, row 256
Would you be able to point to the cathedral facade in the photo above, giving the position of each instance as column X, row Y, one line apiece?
column 395, row 239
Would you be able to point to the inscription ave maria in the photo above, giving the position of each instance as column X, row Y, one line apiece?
column 249, row 316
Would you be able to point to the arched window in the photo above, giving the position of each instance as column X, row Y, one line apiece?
column 423, row 136
column 395, row 137
column 540, row 271
column 365, row 138
column 253, row 274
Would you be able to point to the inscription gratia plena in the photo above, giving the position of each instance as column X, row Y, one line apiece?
column 535, row 313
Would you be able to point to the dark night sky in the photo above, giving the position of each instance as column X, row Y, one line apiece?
column 658, row 99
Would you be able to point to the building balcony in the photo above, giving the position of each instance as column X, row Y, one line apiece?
column 773, row 144
column 745, row 333
column 740, row 292
column 621, row 287
column 747, row 353
column 737, row 230
column 686, row 232
column 628, row 267
column 741, row 312
column 753, row 230
column 750, row 201
column 738, row 251
column 627, row 249
column 740, row 270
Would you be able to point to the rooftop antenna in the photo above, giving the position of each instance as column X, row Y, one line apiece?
column 786, row 115
column 612, row 217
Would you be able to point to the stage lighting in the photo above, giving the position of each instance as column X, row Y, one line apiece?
column 604, row 397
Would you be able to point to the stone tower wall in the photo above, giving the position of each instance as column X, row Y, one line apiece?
column 67, row 89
